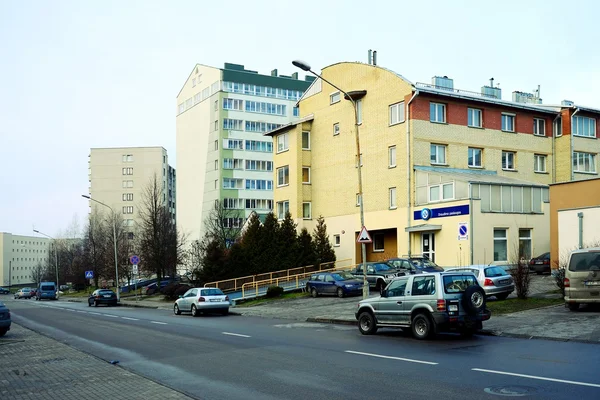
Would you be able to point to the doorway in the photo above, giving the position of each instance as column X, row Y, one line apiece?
column 428, row 245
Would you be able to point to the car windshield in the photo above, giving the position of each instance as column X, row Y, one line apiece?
column 382, row 267
column 588, row 261
column 458, row 283
column 422, row 263
column 342, row 276
column 212, row 292
column 105, row 292
column 493, row 272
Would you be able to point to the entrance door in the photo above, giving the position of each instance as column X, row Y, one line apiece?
column 428, row 245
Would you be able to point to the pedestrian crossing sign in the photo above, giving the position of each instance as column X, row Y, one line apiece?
column 363, row 236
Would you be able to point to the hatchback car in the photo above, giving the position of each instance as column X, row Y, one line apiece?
column 582, row 278
column 494, row 280
column 540, row 264
column 102, row 296
column 338, row 284
column 24, row 293
column 202, row 300
column 4, row 319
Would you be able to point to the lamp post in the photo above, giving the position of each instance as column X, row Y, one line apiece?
column 305, row 67
column 55, row 255
column 114, row 242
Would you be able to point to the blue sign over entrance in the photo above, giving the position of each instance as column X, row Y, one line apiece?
column 429, row 213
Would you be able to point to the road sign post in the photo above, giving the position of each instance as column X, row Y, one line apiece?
column 134, row 270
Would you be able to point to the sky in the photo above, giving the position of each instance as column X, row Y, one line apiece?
column 81, row 74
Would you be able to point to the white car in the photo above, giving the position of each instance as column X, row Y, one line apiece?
column 494, row 280
column 201, row 300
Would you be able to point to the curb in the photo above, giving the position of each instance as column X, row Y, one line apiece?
column 333, row 321
column 485, row 332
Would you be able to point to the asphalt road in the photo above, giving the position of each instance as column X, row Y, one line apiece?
column 239, row 357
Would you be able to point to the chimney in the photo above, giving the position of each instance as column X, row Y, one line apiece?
column 370, row 56
column 274, row 72
column 374, row 57
column 295, row 75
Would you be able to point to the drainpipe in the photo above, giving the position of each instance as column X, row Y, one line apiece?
column 408, row 168
column 554, row 136
column 470, row 231
column 571, row 153
column 580, row 216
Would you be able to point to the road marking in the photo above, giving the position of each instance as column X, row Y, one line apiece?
column 130, row 319
column 95, row 313
column 156, row 322
column 68, row 309
column 113, row 316
column 537, row 377
column 234, row 334
column 84, row 312
column 391, row 358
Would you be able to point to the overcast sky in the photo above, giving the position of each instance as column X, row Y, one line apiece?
column 81, row 74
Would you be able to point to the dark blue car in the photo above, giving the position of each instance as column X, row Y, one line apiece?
column 334, row 283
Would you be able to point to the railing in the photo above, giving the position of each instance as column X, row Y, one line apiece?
column 457, row 91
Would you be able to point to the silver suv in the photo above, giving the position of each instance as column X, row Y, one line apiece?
column 426, row 304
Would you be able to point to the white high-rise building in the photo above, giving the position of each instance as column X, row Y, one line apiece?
column 19, row 255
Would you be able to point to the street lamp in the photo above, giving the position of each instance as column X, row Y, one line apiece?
column 350, row 96
column 114, row 242
column 55, row 254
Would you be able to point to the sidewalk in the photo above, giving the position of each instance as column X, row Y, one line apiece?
column 33, row 366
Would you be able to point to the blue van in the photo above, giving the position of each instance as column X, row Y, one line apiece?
column 47, row 290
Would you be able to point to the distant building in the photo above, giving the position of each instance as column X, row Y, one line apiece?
column 19, row 254
column 119, row 176
column 222, row 155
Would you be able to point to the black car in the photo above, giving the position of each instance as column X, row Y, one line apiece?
column 102, row 296
column 4, row 290
column 540, row 264
column 4, row 319
column 334, row 283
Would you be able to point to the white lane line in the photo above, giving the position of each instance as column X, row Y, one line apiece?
column 95, row 313
column 113, row 316
column 84, row 312
column 68, row 309
column 159, row 323
column 537, row 377
column 391, row 358
column 234, row 334
column 130, row 319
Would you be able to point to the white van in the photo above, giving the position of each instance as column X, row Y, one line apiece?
column 582, row 278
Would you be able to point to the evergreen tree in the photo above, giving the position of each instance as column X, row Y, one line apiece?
column 323, row 249
column 246, row 258
column 268, row 244
column 287, row 243
column 213, row 260
column 306, row 249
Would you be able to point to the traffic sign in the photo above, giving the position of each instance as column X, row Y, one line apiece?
column 363, row 236
column 463, row 231
column 89, row 274
column 134, row 269
column 134, row 259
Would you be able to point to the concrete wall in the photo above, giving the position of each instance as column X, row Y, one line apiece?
column 568, row 230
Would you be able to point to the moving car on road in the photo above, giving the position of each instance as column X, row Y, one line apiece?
column 4, row 319
column 24, row 293
column 338, row 284
column 426, row 304
column 582, row 278
column 4, row 290
column 494, row 280
column 102, row 296
column 47, row 290
column 202, row 300
column 540, row 264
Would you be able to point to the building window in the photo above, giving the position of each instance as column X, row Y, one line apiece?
column 232, row 104
column 258, row 165
column 296, row 111
column 306, row 210
column 305, row 140
column 437, row 112
column 392, row 156
column 216, row 105
column 539, row 163
column 231, row 124
column 539, row 127
column 266, row 108
column 500, row 245
column 525, row 244
column 397, row 113
column 127, row 196
column 216, row 125
column 357, row 199
column 282, row 142
column 128, row 171
column 438, row 153
column 306, row 175
column 233, row 163
column 336, row 240
column 127, row 157
column 216, row 145
column 474, row 117
column 255, row 145
column 441, row 192
column 508, row 122
column 378, row 242
column 283, row 207
column 475, row 157
column 583, row 126
column 393, row 204
column 128, row 184
column 508, row 160
column 283, row 176
column 216, row 165
column 127, row 209
column 584, row 162
column 557, row 127
column 336, row 129
column 334, row 98
column 359, row 112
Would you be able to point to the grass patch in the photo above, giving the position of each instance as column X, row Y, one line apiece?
column 515, row 305
column 285, row 296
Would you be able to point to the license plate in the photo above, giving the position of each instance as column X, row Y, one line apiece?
column 591, row 283
column 215, row 300
column 539, row 262
column 107, row 295
column 452, row 307
column 505, row 281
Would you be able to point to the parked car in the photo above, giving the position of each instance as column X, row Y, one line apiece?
column 426, row 304
column 4, row 319
column 202, row 300
column 24, row 293
column 63, row 288
column 540, row 264
column 582, row 278
column 334, row 283
column 152, row 288
column 414, row 265
column 494, row 280
column 102, row 296
column 4, row 290
column 47, row 290
column 379, row 274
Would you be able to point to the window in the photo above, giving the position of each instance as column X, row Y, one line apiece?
column 500, row 248
column 336, row 240
column 216, row 125
column 127, row 209
column 282, row 142
column 296, row 111
column 508, row 122
column 127, row 196
column 233, row 163
column 508, row 160
column 258, row 165
column 445, row 191
column 392, row 198
column 128, row 171
column 357, row 199
column 378, row 242
column 283, row 207
column 334, row 98
column 583, row 126
column 475, row 157
column 128, row 184
column 437, row 112
column 306, row 175
column 232, row 124
column 392, row 156
column 232, row 104
column 359, row 112
column 474, row 117
column 130, row 235
column 127, row 157
column 539, row 163
column 584, row 162
column 305, row 140
column 231, row 183
column 216, row 145
column 539, row 127
column 283, row 176
column 438, row 153
column 397, row 113
column 557, row 127
column 259, row 184
column 266, row 108
column 423, row 286
column 234, row 144
column 525, row 244
column 255, row 145
column 306, row 210
column 336, row 129
column 216, row 105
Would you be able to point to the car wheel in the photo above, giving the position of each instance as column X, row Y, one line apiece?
column 474, row 299
column 573, row 306
column 195, row 312
column 502, row 296
column 176, row 310
column 225, row 311
column 366, row 323
column 340, row 292
column 421, row 326
column 89, row 304
column 95, row 303
column 313, row 292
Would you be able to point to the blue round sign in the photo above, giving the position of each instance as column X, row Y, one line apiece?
column 134, row 260
column 425, row 214
column 463, row 230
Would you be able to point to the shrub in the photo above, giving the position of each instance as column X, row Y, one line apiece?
column 180, row 291
column 522, row 278
column 559, row 277
column 173, row 290
column 274, row 291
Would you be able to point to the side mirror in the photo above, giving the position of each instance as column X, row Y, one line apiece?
column 181, row 297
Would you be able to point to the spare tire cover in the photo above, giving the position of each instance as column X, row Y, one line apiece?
column 474, row 299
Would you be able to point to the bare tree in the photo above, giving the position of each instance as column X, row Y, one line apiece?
column 224, row 225
column 519, row 269
column 38, row 273
column 95, row 245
